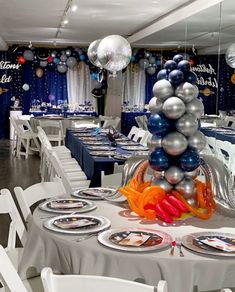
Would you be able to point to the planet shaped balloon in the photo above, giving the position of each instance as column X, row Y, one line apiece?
column 39, row 72
column 230, row 56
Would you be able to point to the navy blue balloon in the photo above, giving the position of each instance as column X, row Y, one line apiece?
column 162, row 74
column 159, row 160
column 184, row 66
column 178, row 58
column 158, row 124
column 176, row 77
column 170, row 65
column 189, row 160
column 190, row 77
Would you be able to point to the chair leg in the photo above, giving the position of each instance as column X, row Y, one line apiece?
column 27, row 149
column 18, row 148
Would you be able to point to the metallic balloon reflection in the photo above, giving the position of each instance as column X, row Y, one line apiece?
column 222, row 183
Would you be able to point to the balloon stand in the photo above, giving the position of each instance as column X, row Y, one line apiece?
column 175, row 146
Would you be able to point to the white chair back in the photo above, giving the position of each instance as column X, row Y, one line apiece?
column 140, row 134
column 229, row 122
column 118, row 168
column 53, row 130
column 8, row 274
column 84, row 283
column 111, row 180
column 146, row 137
column 26, row 198
column 132, row 132
column 7, row 206
column 142, row 122
column 211, row 141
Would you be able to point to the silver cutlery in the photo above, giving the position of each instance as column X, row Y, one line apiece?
column 179, row 245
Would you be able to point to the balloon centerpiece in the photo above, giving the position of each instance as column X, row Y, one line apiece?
column 175, row 146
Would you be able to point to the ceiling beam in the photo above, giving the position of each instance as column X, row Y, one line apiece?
column 214, row 50
column 3, row 45
column 177, row 15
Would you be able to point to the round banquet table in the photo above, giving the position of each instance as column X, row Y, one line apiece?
column 64, row 254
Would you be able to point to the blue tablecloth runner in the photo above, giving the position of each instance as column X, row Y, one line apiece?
column 128, row 120
column 58, row 112
column 222, row 133
column 91, row 165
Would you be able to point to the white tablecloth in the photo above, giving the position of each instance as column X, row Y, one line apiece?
column 64, row 254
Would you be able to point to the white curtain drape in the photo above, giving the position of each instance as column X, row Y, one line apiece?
column 134, row 86
column 79, row 86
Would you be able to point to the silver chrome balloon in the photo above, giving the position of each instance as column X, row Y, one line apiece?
column 163, row 89
column 195, row 107
column 197, row 141
column 161, row 182
column 114, row 53
column 196, row 90
column 173, row 108
column 174, row 175
column 174, row 143
column 155, row 105
column 155, row 142
column 193, row 174
column 186, row 91
column 186, row 188
column 130, row 167
column 92, row 53
column 222, row 183
column 187, row 125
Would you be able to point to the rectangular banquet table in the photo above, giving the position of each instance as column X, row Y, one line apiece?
column 91, row 165
column 220, row 133
column 61, row 252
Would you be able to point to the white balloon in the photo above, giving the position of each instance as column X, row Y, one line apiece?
column 114, row 53
column 92, row 53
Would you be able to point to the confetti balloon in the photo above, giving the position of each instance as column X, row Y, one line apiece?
column 92, row 53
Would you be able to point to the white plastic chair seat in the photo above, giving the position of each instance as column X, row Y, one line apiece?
column 31, row 285
column 61, row 148
column 72, row 170
column 78, row 177
column 15, row 256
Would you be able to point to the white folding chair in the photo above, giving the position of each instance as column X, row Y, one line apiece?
column 146, row 138
column 7, row 206
column 140, row 134
column 229, row 122
column 222, row 151
column 53, row 130
column 142, row 122
column 211, row 141
column 25, row 136
column 84, row 283
column 111, row 180
column 44, row 190
column 112, row 123
column 118, row 167
column 132, row 132
column 10, row 279
column 226, row 290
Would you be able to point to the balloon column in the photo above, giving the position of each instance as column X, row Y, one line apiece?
column 175, row 146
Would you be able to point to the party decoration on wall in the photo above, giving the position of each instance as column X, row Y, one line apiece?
column 114, row 53
column 230, row 56
column 175, row 146
column 25, row 87
column 39, row 72
column 3, row 90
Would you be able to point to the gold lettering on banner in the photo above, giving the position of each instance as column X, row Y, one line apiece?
column 7, row 65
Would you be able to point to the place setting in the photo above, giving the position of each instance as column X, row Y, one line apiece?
column 101, row 148
column 103, row 153
column 67, row 205
column 135, row 148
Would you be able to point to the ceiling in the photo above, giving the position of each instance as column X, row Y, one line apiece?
column 149, row 23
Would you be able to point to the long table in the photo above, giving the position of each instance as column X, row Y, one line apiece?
column 91, row 165
column 220, row 133
column 61, row 252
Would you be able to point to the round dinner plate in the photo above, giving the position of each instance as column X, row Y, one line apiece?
column 77, row 224
column 122, row 156
column 94, row 193
column 194, row 242
column 135, row 239
column 103, row 153
column 135, row 148
column 101, row 148
column 67, row 205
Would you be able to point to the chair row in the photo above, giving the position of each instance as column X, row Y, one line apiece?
column 56, row 161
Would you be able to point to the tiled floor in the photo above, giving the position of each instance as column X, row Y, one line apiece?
column 15, row 172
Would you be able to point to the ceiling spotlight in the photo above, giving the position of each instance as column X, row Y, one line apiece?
column 65, row 21
column 74, row 7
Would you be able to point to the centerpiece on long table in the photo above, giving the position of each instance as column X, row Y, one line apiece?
column 175, row 145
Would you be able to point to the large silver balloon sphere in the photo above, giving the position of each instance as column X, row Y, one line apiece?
column 186, row 187
column 114, row 53
column 174, row 175
column 155, row 105
column 230, row 56
column 195, row 107
column 173, row 108
column 92, row 53
column 71, row 62
column 196, row 91
column 157, row 174
column 186, row 91
column 193, row 174
column 187, row 125
column 155, row 142
column 174, row 143
column 197, row 141
column 161, row 182
column 163, row 89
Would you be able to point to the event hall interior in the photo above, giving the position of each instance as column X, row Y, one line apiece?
column 117, row 145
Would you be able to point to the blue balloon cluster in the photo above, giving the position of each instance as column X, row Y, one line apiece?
column 175, row 110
